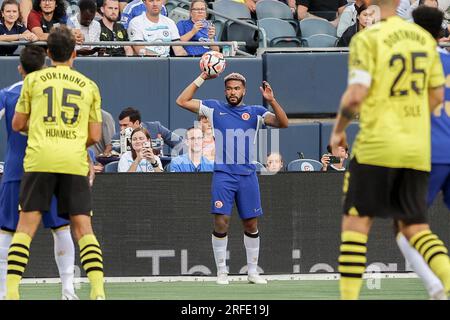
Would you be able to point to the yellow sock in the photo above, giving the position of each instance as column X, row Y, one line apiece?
column 434, row 252
column 352, row 263
column 18, row 254
column 92, row 261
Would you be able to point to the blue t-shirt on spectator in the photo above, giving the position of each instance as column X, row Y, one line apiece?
column 184, row 164
column 16, row 29
column 184, row 26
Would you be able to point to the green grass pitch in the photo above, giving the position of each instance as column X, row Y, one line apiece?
column 385, row 289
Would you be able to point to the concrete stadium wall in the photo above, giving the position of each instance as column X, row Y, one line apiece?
column 159, row 224
column 302, row 83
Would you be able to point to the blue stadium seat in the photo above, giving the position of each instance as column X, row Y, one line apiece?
column 280, row 33
column 231, row 9
column 320, row 41
column 304, row 165
column 112, row 166
column 312, row 26
column 273, row 9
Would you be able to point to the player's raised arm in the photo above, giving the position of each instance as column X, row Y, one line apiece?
column 185, row 99
column 279, row 119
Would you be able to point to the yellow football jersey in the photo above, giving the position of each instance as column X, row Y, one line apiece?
column 399, row 62
column 60, row 102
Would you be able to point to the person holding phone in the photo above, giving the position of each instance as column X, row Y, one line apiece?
column 141, row 157
column 197, row 28
column 334, row 163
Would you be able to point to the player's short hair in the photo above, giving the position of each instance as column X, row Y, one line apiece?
column 430, row 19
column 32, row 58
column 87, row 5
column 61, row 43
column 133, row 113
column 235, row 76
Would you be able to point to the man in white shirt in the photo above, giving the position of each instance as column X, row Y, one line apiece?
column 89, row 27
column 348, row 16
column 151, row 26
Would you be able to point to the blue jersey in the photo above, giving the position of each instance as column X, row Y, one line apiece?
column 17, row 143
column 235, row 131
column 185, row 26
column 440, row 121
column 184, row 164
column 134, row 9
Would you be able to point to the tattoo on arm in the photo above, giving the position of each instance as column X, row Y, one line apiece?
column 347, row 113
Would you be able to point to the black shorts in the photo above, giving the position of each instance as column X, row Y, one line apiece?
column 384, row 192
column 72, row 192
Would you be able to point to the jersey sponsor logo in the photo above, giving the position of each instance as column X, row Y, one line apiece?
column 245, row 116
column 218, row 204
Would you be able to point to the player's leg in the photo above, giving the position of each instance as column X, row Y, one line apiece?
column 412, row 194
column 64, row 249
column 431, row 248
column 9, row 216
column 35, row 195
column 74, row 201
column 421, row 268
column 248, row 200
column 222, row 195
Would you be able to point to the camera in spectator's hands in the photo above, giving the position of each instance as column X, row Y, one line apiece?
column 334, row 159
column 146, row 145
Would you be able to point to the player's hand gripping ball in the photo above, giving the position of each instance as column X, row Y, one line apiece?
column 212, row 63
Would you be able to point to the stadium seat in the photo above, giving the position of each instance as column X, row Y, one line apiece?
column 304, row 165
column 279, row 33
column 320, row 41
column 231, row 9
column 167, row 167
column 112, row 166
column 177, row 14
column 170, row 5
column 234, row 31
column 273, row 9
column 312, row 26
column 259, row 166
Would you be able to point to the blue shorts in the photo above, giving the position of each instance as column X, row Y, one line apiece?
column 439, row 180
column 9, row 209
column 229, row 188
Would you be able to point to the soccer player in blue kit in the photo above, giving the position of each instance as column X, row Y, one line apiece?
column 32, row 58
column 235, row 126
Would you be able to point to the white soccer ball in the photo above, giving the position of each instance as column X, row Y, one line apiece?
column 212, row 62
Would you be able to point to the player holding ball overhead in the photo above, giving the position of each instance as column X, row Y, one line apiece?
column 235, row 127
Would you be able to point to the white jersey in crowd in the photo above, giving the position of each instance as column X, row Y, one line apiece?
column 91, row 33
column 165, row 30
column 144, row 166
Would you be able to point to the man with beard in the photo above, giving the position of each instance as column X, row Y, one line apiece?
column 235, row 127
column 111, row 30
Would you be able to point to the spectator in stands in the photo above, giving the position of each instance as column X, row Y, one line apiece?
column 348, row 17
column 364, row 17
column 326, row 9
column 193, row 160
column 45, row 15
column 342, row 155
column 130, row 117
column 445, row 33
column 152, row 26
column 134, row 9
column 274, row 162
column 86, row 24
column 111, row 30
column 141, row 157
column 197, row 29
column 209, row 147
column 104, row 146
column 11, row 27
column 404, row 9
column 25, row 7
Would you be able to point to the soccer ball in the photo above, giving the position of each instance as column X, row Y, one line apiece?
column 212, row 62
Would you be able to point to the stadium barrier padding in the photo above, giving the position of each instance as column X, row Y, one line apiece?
column 159, row 224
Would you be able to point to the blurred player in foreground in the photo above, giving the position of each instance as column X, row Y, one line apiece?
column 60, row 110
column 395, row 80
